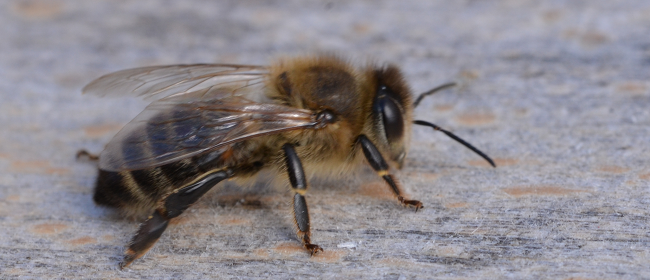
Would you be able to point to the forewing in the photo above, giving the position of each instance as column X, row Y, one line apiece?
column 179, row 127
column 170, row 80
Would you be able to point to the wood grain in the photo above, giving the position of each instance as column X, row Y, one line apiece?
column 556, row 91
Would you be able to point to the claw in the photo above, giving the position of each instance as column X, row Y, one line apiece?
column 313, row 248
column 411, row 203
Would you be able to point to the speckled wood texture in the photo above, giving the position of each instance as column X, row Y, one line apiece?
column 557, row 92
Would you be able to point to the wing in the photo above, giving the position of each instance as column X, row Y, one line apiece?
column 182, row 126
column 163, row 81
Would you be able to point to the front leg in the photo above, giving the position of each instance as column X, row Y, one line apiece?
column 379, row 164
column 299, row 187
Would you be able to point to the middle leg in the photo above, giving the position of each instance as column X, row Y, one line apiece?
column 299, row 187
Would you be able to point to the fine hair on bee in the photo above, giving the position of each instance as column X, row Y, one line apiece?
column 315, row 116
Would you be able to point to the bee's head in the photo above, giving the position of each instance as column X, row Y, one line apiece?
column 391, row 114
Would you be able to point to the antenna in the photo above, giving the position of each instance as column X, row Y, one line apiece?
column 432, row 91
column 468, row 145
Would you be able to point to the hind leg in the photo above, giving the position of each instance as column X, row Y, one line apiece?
column 92, row 157
column 171, row 207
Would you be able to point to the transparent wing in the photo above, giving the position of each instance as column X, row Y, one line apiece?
column 163, row 81
column 179, row 127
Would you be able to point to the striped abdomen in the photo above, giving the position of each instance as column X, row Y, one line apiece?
column 143, row 188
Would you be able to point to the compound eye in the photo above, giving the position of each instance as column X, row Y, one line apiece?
column 391, row 115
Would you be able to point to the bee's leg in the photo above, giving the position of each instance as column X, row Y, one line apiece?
column 81, row 153
column 379, row 164
column 299, row 187
column 171, row 207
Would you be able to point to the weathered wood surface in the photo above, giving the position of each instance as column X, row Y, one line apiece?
column 557, row 91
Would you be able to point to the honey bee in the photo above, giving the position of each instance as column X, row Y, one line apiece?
column 301, row 117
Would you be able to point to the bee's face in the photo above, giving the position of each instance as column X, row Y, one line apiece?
column 391, row 113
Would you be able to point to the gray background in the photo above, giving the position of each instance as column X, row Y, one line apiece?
column 556, row 91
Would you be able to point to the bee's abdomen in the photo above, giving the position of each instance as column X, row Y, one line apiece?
column 113, row 190
column 144, row 188
column 141, row 188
